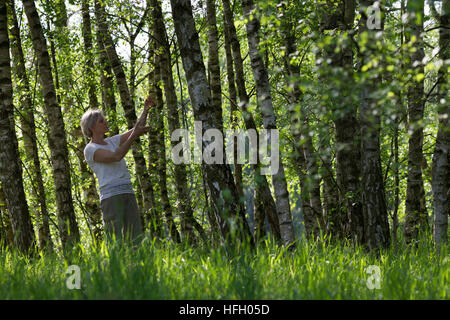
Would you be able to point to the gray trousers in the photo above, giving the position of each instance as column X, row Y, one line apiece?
column 121, row 217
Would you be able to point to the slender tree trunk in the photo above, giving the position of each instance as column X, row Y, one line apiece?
column 441, row 157
column 213, row 61
column 10, row 167
column 215, row 228
column 309, row 223
column 153, row 136
column 139, row 198
column 399, row 115
column 108, row 99
column 90, row 194
column 332, row 209
column 335, row 212
column 87, row 39
column 396, row 183
column 258, row 205
column 265, row 104
column 157, row 116
column 259, row 228
column 348, row 157
column 130, row 114
column 376, row 227
column 219, row 178
column 132, row 73
column 233, row 108
column 29, row 131
column 310, row 217
column 91, row 197
column 301, row 132
column 416, row 219
column 67, row 224
column 261, row 183
column 188, row 222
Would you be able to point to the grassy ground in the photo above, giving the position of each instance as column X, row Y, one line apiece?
column 311, row 271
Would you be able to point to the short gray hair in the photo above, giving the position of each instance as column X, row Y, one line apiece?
column 88, row 120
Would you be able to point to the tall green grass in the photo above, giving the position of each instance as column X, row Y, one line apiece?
column 169, row 271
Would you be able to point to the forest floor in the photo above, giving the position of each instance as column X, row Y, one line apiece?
column 169, row 271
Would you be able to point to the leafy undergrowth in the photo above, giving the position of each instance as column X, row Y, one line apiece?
column 169, row 271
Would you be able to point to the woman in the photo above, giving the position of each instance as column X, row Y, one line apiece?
column 105, row 156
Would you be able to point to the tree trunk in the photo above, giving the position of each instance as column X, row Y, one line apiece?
column 213, row 62
column 233, row 108
column 348, row 157
column 333, row 212
column 441, row 157
column 87, row 39
column 157, row 117
column 258, row 205
column 259, row 228
column 188, row 222
column 309, row 223
column 91, row 197
column 67, row 224
column 29, row 131
column 416, row 219
column 152, row 152
column 153, row 217
column 396, row 183
column 90, row 194
column 10, row 167
column 261, row 183
column 224, row 196
column 302, row 139
column 265, row 104
column 376, row 227
column 106, row 78
column 214, row 224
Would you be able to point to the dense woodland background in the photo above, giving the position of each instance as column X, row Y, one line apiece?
column 363, row 114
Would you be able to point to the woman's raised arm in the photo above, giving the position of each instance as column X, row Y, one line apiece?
column 106, row 156
column 142, row 119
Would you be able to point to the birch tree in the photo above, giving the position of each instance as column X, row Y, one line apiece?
column 416, row 220
column 269, row 119
column 109, row 105
column 213, row 60
column 67, row 224
column 87, row 42
column 60, row 41
column 10, row 167
column 233, row 104
column 304, row 150
column 157, row 119
column 376, row 227
column 162, row 47
column 264, row 203
column 224, row 197
column 29, row 131
column 338, row 63
column 441, row 157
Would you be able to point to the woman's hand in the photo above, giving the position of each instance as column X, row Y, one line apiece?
column 148, row 103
